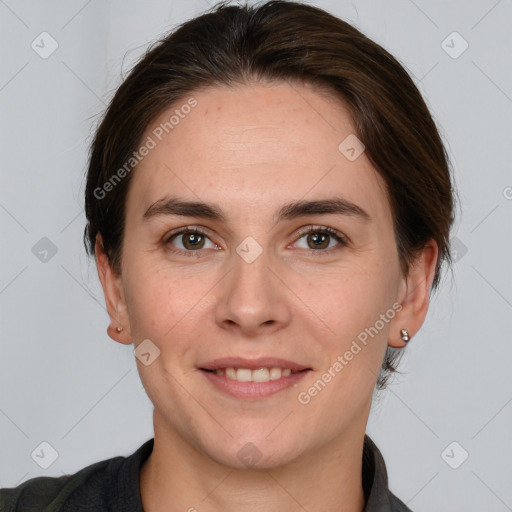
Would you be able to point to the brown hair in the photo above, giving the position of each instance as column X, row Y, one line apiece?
column 288, row 41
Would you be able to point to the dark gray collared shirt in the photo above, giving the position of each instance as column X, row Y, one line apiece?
column 113, row 485
column 375, row 482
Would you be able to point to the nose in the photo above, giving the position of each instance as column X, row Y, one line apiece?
column 252, row 300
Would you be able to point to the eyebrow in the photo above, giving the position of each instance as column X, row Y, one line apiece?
column 199, row 209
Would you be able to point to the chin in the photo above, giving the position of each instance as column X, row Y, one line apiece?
column 256, row 451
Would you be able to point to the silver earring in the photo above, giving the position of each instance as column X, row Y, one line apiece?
column 404, row 335
column 119, row 329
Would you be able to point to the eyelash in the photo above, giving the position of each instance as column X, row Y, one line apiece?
column 339, row 237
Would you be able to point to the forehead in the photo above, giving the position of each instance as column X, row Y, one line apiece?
column 249, row 145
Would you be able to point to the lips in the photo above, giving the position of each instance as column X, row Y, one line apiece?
column 253, row 379
column 253, row 364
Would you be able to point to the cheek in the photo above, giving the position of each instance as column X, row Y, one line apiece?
column 357, row 307
column 163, row 301
column 348, row 298
column 356, row 304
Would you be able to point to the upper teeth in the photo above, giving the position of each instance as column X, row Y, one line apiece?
column 258, row 375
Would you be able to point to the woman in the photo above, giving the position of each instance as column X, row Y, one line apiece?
column 269, row 205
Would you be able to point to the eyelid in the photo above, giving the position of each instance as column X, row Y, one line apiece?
column 202, row 230
column 315, row 228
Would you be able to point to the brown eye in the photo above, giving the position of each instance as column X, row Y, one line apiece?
column 321, row 239
column 318, row 241
column 190, row 240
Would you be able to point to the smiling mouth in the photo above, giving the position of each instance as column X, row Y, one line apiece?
column 256, row 375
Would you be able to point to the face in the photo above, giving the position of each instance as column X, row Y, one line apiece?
column 269, row 269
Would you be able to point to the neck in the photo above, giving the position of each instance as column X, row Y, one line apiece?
column 177, row 477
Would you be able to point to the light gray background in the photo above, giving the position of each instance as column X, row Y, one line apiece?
column 64, row 381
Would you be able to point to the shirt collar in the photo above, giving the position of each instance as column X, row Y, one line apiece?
column 378, row 497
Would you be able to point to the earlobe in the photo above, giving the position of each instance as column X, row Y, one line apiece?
column 398, row 338
column 415, row 297
column 111, row 283
column 121, row 336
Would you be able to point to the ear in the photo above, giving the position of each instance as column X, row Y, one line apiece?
column 414, row 295
column 114, row 296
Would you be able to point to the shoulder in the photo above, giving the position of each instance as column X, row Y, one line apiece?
column 50, row 493
column 94, row 487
